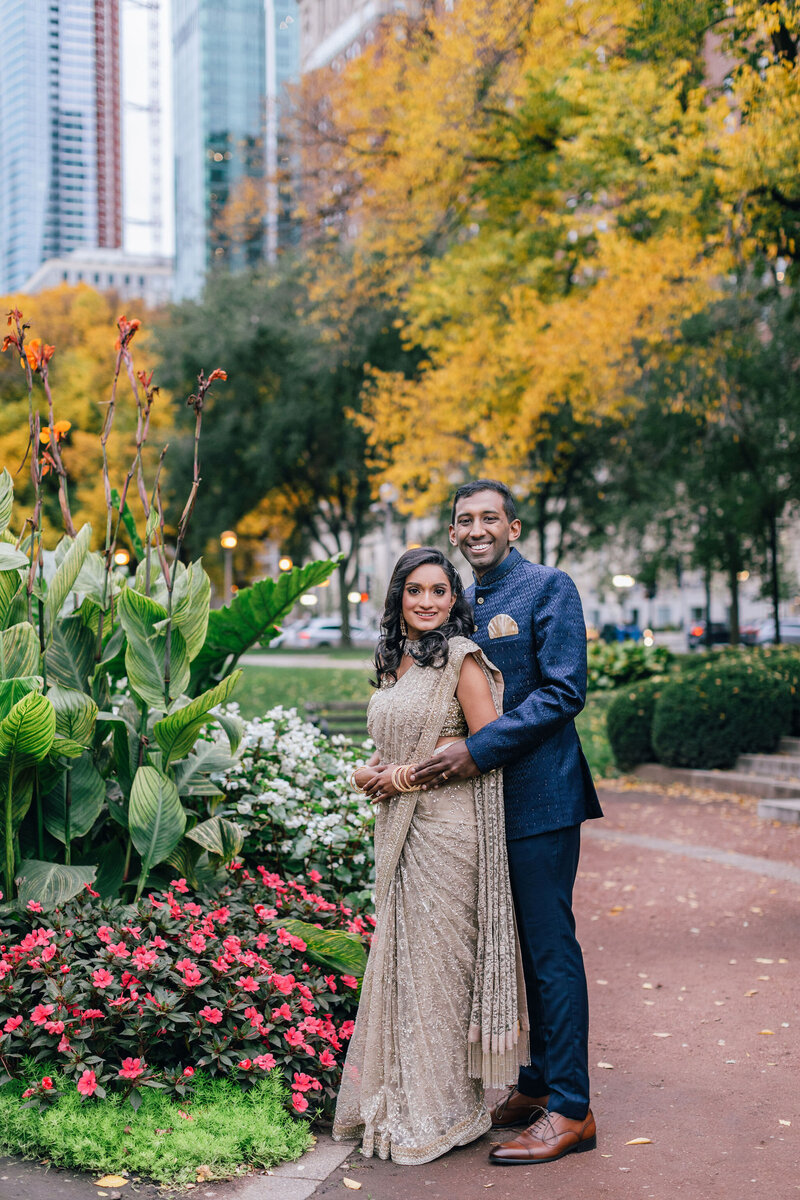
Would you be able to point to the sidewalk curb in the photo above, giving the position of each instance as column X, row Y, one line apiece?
column 298, row 1180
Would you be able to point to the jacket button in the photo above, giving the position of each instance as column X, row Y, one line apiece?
column 480, row 599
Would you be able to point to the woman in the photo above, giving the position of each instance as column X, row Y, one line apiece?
column 442, row 1011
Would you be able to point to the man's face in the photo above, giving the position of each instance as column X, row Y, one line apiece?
column 482, row 531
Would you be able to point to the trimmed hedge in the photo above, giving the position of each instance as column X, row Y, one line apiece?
column 708, row 718
column 629, row 723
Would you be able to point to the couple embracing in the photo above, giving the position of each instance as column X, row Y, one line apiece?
column 475, row 977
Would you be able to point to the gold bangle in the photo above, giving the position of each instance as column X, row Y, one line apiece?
column 400, row 781
column 353, row 782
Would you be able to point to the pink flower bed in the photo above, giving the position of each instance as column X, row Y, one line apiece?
column 121, row 997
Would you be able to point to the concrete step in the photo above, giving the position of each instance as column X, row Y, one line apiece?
column 789, row 745
column 783, row 766
column 787, row 811
column 764, row 786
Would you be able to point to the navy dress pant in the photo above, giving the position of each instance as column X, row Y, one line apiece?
column 543, row 868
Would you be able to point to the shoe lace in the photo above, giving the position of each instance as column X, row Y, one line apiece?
column 542, row 1127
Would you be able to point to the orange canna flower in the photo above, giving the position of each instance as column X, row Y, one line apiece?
column 59, row 429
column 217, row 374
column 48, row 464
column 126, row 330
column 38, row 353
column 10, row 339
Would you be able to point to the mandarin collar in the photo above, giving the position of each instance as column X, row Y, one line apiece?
column 511, row 560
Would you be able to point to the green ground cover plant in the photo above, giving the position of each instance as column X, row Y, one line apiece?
column 611, row 665
column 219, row 1127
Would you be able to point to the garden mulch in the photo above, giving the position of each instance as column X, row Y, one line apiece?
column 688, row 909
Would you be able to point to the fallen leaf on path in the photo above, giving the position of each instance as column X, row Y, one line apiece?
column 766, row 961
column 768, row 1032
column 763, row 978
column 783, row 960
column 353, row 1184
column 203, row 1173
column 606, row 1066
column 648, row 987
column 752, row 992
column 602, row 982
column 782, row 1122
column 605, row 1156
column 616, row 910
column 639, row 1142
column 111, row 1181
column 662, row 1035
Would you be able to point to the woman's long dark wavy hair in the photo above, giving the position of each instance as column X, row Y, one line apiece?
column 430, row 650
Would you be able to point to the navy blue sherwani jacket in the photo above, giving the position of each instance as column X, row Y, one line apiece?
column 529, row 622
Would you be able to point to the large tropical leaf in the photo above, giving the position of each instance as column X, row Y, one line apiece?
column 50, row 883
column 251, row 617
column 10, row 583
column 156, row 818
column 27, row 732
column 66, row 574
column 177, row 733
column 11, row 559
column 91, row 581
column 192, row 773
column 12, row 690
column 19, row 651
column 145, row 652
column 219, row 836
column 70, row 654
column 111, row 871
column 342, row 952
column 6, row 498
column 87, row 794
column 191, row 598
column 125, row 749
column 76, row 714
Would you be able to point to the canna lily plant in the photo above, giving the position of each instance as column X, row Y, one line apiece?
column 101, row 789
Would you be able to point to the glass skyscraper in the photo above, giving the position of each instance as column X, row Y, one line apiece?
column 60, row 173
column 219, row 81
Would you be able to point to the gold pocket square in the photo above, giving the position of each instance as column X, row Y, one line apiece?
column 502, row 625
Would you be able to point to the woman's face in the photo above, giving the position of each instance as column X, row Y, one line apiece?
column 427, row 599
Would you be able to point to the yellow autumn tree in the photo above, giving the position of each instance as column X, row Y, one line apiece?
column 81, row 324
column 537, row 187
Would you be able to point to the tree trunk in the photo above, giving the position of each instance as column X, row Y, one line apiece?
column 733, row 584
column 774, row 573
column 707, row 581
column 541, row 525
column 344, row 603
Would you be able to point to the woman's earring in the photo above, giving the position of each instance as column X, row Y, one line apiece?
column 403, row 626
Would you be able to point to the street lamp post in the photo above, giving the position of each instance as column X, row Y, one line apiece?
column 623, row 583
column 388, row 494
column 228, row 540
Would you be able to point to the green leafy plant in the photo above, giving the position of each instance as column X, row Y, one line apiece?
column 99, row 778
column 629, row 723
column 613, row 665
column 123, row 997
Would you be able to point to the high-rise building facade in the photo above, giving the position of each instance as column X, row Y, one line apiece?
column 219, row 114
column 333, row 29
column 283, row 70
column 60, row 161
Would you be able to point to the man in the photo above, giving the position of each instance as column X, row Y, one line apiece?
column 529, row 621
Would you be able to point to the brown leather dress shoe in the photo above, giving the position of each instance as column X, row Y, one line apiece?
column 514, row 1108
column 547, row 1139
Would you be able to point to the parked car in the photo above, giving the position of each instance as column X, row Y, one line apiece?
column 696, row 637
column 325, row 631
column 789, row 630
column 620, row 633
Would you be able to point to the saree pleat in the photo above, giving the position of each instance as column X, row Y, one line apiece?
column 442, row 1010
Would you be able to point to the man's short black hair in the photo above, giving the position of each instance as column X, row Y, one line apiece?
column 486, row 485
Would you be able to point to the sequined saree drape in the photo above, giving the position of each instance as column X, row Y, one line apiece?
column 442, row 1011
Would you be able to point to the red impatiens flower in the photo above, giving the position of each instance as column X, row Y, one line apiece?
column 188, row 1072
column 245, row 1064
column 294, row 1037
column 265, row 1061
column 304, row 1083
column 212, row 1015
column 87, row 1084
column 34, row 906
column 284, row 1013
column 131, row 1068
column 41, row 1013
column 12, row 1023
column 102, row 978
column 47, row 1083
column 299, row 1102
column 247, row 984
column 326, row 1060
column 349, row 981
column 315, row 876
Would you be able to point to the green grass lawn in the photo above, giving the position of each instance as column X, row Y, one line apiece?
column 262, row 688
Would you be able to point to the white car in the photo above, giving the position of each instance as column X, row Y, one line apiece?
column 789, row 628
column 325, row 631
